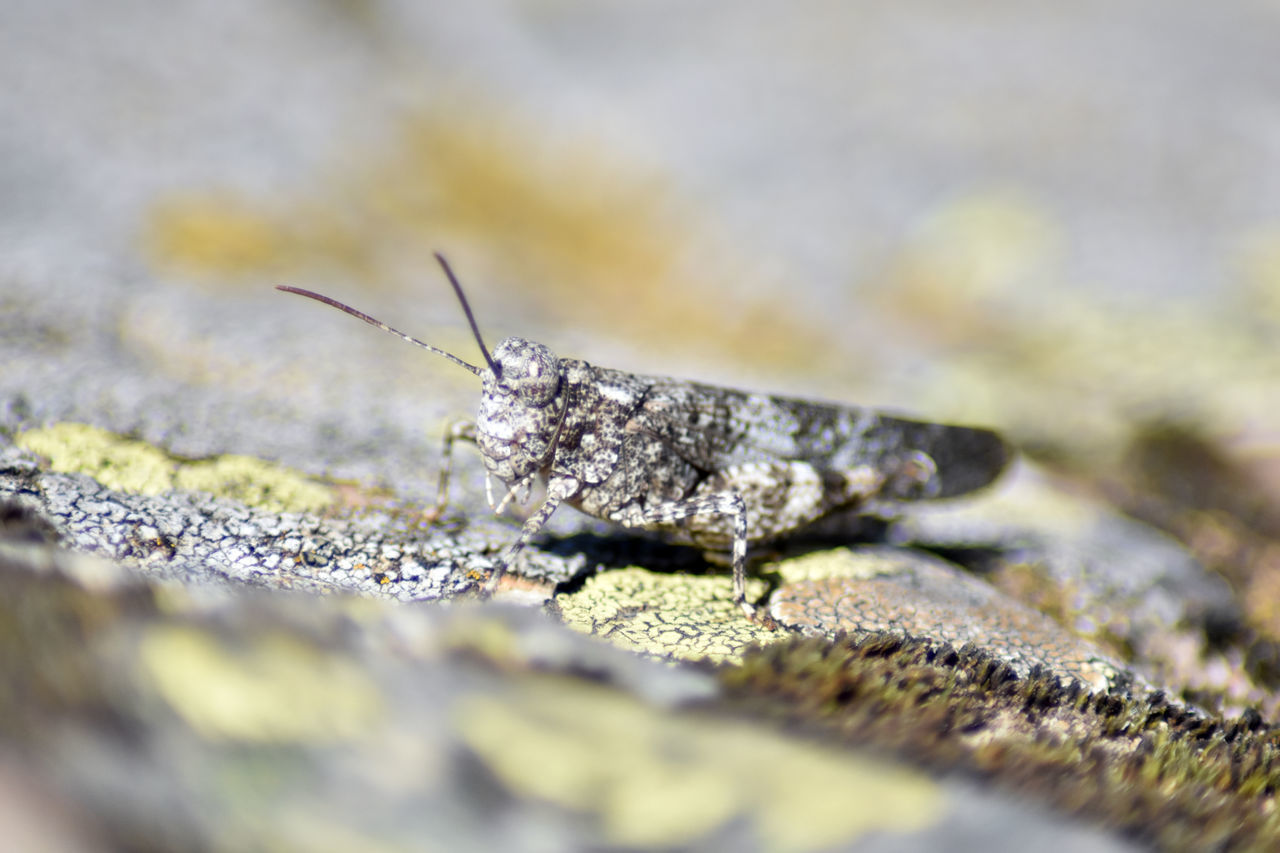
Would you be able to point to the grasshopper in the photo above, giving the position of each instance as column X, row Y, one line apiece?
column 708, row 466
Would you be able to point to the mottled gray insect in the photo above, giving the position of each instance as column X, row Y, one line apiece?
column 709, row 466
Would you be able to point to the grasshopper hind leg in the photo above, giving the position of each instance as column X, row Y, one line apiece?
column 727, row 504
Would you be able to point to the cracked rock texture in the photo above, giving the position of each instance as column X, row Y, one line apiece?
column 229, row 621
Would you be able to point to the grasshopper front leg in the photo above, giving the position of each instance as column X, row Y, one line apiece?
column 521, row 487
column 455, row 430
column 559, row 488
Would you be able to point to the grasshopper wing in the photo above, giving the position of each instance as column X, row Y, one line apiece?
column 716, row 429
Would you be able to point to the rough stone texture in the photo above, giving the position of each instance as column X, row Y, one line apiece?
column 1103, row 576
column 161, row 717
column 877, row 590
column 199, row 538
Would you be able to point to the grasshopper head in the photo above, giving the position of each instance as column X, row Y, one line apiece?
column 524, row 372
column 522, row 406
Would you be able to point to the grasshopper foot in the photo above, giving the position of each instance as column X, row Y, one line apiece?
column 758, row 614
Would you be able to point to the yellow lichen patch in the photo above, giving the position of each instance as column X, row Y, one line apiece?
column 218, row 233
column 567, row 220
column 271, row 688
column 116, row 462
column 678, row 616
column 491, row 639
column 1068, row 371
column 254, row 482
column 655, row 779
column 136, row 467
column 227, row 235
column 565, row 213
column 970, row 250
column 984, row 242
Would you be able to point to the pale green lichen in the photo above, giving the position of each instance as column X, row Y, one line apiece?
column 136, row 467
column 657, row 779
column 677, row 616
column 254, row 482
column 857, row 590
column 271, row 688
column 116, row 462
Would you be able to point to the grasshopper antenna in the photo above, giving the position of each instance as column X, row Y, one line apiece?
column 466, row 309
column 360, row 315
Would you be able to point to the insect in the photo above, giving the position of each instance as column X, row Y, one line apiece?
column 712, row 467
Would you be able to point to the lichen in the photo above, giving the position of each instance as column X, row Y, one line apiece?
column 136, row 467
column 656, row 779
column 254, row 482
column 116, row 462
column 681, row 616
column 270, row 688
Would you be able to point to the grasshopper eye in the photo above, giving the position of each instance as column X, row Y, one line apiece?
column 528, row 370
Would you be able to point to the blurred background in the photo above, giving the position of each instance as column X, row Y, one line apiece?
column 1059, row 220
